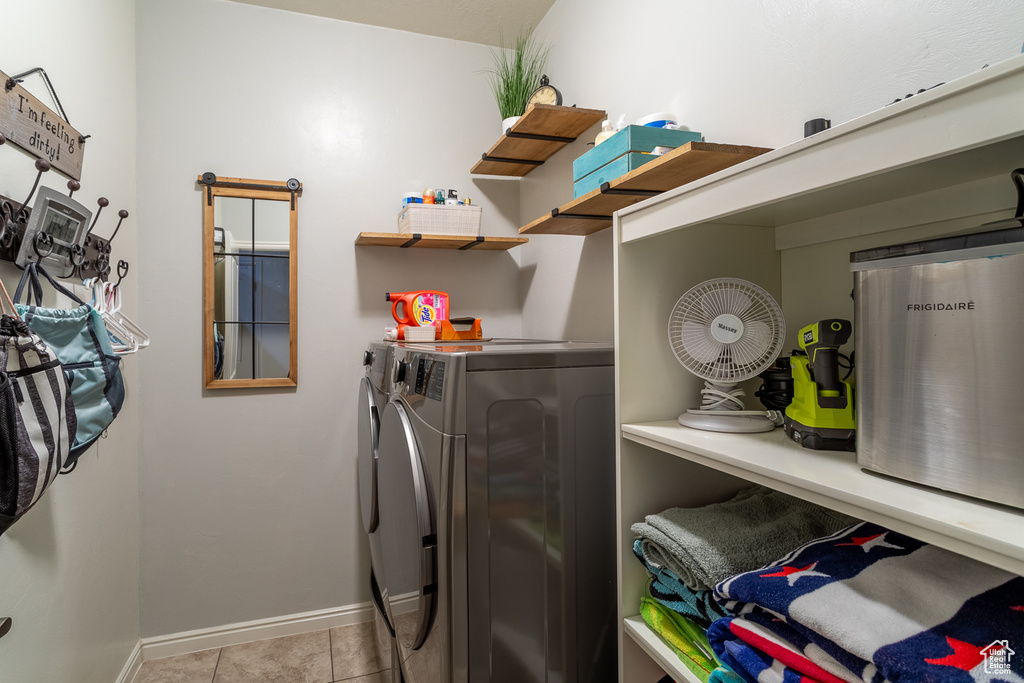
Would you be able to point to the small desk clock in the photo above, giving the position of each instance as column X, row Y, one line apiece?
column 545, row 94
column 65, row 221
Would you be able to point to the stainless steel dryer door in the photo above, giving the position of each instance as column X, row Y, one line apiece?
column 366, row 465
column 407, row 528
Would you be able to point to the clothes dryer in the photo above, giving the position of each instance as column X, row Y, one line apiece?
column 373, row 395
column 496, row 512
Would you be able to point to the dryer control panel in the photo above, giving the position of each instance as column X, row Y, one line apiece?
column 429, row 378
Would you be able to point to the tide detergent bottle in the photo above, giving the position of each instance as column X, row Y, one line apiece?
column 418, row 309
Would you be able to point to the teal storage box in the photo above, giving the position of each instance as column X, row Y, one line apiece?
column 610, row 171
column 630, row 139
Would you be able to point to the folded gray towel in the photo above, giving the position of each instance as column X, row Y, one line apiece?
column 706, row 545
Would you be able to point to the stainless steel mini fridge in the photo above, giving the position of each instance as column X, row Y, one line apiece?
column 939, row 336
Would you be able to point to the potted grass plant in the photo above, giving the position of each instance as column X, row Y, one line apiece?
column 514, row 74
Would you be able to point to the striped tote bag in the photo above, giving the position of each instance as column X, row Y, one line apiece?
column 37, row 417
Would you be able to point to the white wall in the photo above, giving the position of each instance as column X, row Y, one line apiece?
column 70, row 565
column 740, row 72
column 249, row 499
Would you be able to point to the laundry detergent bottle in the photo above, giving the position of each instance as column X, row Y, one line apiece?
column 419, row 309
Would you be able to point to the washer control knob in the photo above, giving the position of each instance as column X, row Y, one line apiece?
column 367, row 357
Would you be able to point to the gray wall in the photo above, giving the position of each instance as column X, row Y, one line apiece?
column 248, row 499
column 740, row 72
column 249, row 503
column 70, row 565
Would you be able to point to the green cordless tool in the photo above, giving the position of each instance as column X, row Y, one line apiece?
column 822, row 415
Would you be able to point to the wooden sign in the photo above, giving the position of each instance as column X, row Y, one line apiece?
column 35, row 128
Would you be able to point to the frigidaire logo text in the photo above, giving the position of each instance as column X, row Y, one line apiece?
column 943, row 306
column 727, row 328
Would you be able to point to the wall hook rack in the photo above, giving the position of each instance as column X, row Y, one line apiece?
column 71, row 253
column 69, row 249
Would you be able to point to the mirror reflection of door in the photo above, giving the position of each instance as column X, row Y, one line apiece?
column 251, row 322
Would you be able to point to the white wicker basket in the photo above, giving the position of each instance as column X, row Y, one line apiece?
column 439, row 219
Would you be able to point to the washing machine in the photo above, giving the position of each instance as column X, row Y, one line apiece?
column 496, row 495
column 373, row 396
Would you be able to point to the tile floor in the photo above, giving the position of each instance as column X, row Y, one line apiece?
column 344, row 654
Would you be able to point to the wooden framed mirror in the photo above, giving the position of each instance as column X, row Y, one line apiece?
column 250, row 276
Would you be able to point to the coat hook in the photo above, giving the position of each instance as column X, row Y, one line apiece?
column 102, row 265
column 74, row 186
column 102, row 201
column 45, row 239
column 123, row 214
column 5, row 626
column 42, row 165
column 122, row 270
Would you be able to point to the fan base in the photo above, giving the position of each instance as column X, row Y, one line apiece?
column 724, row 422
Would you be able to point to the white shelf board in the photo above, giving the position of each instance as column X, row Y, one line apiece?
column 987, row 532
column 651, row 643
column 964, row 130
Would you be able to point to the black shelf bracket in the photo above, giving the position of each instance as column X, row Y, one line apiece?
column 478, row 240
column 535, row 136
column 606, row 188
column 555, row 213
column 505, row 160
column 416, row 237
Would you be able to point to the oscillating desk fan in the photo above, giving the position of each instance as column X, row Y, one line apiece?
column 726, row 331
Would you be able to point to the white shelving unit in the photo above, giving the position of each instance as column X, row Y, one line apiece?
column 934, row 164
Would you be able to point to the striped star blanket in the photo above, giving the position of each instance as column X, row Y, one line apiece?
column 869, row 605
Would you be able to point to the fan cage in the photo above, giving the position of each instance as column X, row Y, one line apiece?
column 689, row 330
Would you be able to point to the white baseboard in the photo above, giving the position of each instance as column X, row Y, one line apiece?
column 261, row 629
column 131, row 667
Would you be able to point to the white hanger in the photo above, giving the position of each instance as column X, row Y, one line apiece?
column 121, row 340
column 114, row 308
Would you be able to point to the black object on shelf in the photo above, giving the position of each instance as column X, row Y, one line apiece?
column 816, row 126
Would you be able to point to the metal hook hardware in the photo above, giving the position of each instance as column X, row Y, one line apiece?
column 7, row 226
column 123, row 214
column 45, row 239
column 102, row 265
column 122, row 270
column 103, row 202
column 73, row 187
column 14, row 80
column 42, row 165
column 5, row 626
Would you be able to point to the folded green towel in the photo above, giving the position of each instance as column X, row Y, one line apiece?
column 686, row 639
column 758, row 525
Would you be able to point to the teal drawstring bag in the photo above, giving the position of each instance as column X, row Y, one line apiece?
column 80, row 341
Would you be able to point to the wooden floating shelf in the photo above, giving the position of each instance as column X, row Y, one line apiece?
column 539, row 133
column 422, row 241
column 593, row 211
